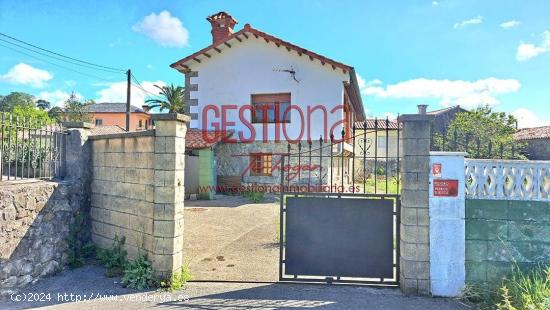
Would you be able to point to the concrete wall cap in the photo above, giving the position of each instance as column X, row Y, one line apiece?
column 171, row 117
column 438, row 153
column 84, row 125
column 130, row 134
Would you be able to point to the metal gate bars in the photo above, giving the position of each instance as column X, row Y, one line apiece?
column 340, row 209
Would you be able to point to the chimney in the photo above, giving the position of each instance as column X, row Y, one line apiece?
column 222, row 26
column 422, row 108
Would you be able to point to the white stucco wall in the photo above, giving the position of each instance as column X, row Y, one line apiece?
column 447, row 228
column 248, row 68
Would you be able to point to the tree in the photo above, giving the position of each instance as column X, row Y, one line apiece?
column 173, row 99
column 36, row 116
column 43, row 104
column 482, row 133
column 56, row 113
column 76, row 111
column 16, row 99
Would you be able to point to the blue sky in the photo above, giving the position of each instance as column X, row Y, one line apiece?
column 440, row 53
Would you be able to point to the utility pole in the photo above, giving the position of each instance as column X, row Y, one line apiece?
column 129, row 75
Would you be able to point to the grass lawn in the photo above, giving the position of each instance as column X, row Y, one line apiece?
column 381, row 185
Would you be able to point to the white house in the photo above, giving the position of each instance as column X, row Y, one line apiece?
column 266, row 92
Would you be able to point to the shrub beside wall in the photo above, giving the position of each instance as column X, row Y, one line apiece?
column 501, row 234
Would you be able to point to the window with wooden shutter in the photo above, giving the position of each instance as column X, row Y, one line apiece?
column 260, row 164
column 271, row 108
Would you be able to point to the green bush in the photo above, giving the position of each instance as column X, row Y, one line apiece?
column 138, row 274
column 380, row 171
column 114, row 259
column 254, row 196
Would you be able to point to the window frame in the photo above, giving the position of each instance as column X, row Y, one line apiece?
column 272, row 107
column 265, row 161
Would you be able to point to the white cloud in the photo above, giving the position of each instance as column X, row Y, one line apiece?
column 164, row 29
column 449, row 92
column 527, row 118
column 26, row 75
column 510, row 24
column 116, row 92
column 56, row 97
column 435, row 3
column 390, row 115
column 473, row 21
column 527, row 51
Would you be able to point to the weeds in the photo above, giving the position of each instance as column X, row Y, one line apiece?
column 114, row 259
column 254, row 196
column 523, row 290
column 138, row 274
column 178, row 279
column 78, row 249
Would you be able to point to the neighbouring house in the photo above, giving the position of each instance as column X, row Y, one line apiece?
column 376, row 140
column 537, row 142
column 442, row 118
column 114, row 114
column 246, row 80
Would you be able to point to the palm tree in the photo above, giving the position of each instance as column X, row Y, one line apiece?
column 173, row 101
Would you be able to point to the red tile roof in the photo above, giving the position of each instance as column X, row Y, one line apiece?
column 196, row 139
column 245, row 33
column 542, row 132
column 370, row 124
column 106, row 130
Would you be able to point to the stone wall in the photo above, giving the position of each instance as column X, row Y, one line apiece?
column 35, row 217
column 502, row 233
column 233, row 159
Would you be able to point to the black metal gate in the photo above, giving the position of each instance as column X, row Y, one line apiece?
column 31, row 148
column 340, row 208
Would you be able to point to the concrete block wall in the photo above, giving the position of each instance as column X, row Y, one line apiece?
column 414, row 260
column 138, row 191
column 504, row 233
column 122, row 188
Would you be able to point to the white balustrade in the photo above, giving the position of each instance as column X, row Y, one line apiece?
column 507, row 179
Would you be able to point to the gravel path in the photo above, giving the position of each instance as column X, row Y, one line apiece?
column 231, row 239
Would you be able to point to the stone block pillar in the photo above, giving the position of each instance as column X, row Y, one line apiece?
column 169, row 192
column 414, row 276
column 77, row 151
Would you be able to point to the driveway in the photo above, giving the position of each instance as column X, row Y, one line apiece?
column 231, row 239
column 98, row 292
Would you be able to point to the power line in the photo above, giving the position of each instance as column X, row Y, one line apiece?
column 142, row 88
column 55, row 64
column 61, row 55
column 57, row 58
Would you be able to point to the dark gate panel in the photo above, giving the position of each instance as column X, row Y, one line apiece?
column 341, row 237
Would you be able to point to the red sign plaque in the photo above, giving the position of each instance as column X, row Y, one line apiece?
column 445, row 188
